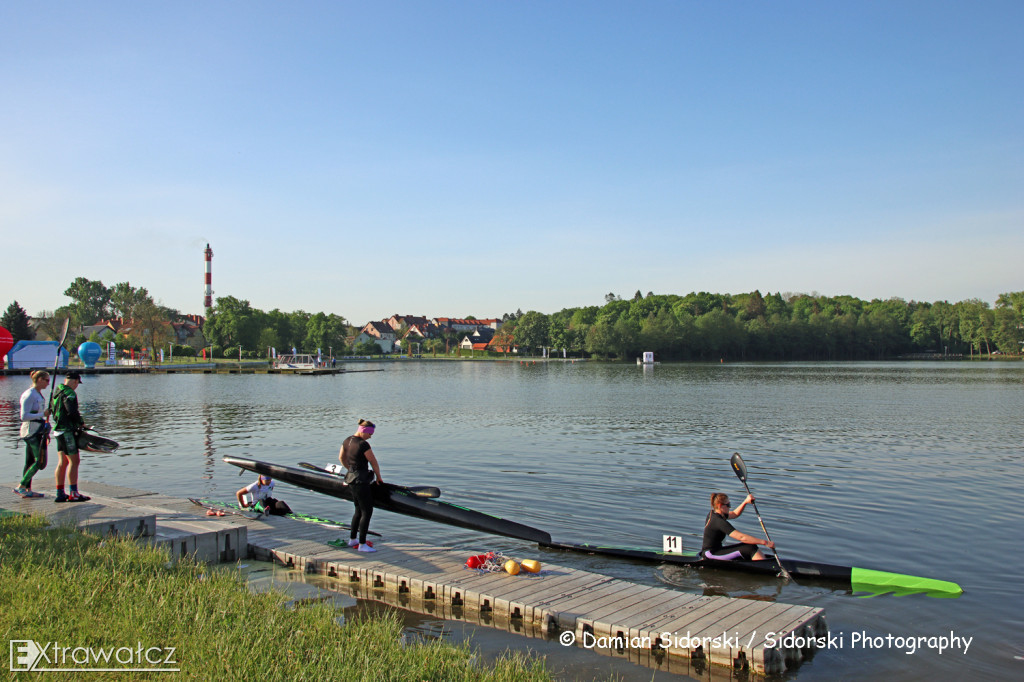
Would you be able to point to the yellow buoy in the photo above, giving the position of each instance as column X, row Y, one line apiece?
column 512, row 567
column 531, row 565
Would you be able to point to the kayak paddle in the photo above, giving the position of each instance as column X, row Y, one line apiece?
column 740, row 468
column 56, row 364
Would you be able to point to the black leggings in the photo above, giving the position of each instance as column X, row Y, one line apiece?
column 363, row 498
column 276, row 507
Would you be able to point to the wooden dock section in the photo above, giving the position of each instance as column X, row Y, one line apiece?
column 652, row 626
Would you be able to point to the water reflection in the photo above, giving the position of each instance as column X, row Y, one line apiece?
column 209, row 451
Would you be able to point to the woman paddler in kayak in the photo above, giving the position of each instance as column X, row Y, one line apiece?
column 357, row 456
column 717, row 528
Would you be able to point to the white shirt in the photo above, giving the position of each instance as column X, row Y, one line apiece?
column 260, row 492
column 32, row 405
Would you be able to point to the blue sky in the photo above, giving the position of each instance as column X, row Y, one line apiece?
column 472, row 158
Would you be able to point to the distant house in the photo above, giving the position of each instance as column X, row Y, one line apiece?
column 424, row 331
column 478, row 340
column 396, row 321
column 378, row 332
column 98, row 329
column 503, row 342
column 189, row 332
column 461, row 325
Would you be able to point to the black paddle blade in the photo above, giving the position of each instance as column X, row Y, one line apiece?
column 739, row 466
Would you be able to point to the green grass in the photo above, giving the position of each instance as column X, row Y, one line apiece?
column 59, row 585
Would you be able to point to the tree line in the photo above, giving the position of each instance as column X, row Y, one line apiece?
column 697, row 326
column 92, row 302
column 233, row 322
column 751, row 326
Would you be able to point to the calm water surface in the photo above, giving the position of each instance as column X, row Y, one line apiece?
column 912, row 468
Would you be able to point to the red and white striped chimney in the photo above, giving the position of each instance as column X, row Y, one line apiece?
column 208, row 300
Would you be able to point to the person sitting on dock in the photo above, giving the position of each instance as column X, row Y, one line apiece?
column 357, row 456
column 717, row 528
column 260, row 499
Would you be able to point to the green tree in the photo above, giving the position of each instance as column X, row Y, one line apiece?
column 367, row 348
column 975, row 328
column 719, row 335
column 923, row 332
column 90, row 300
column 946, row 318
column 15, row 320
column 532, row 330
column 297, row 321
column 124, row 299
column 625, row 338
column 1014, row 300
column 599, row 340
column 269, row 339
column 151, row 327
column 774, row 305
column 326, row 332
column 752, row 306
column 233, row 322
column 1007, row 333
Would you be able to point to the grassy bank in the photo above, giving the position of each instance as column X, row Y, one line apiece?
column 58, row 585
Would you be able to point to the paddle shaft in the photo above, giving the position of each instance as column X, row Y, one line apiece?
column 782, row 568
column 56, row 364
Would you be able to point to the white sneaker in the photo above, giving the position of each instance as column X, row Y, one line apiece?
column 353, row 543
column 366, row 548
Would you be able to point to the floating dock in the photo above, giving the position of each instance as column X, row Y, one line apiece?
column 652, row 626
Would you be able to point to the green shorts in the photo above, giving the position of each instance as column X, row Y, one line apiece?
column 67, row 443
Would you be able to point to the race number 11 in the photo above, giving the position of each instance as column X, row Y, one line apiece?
column 671, row 544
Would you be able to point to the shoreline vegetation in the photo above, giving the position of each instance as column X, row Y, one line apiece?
column 62, row 586
column 699, row 326
column 220, row 365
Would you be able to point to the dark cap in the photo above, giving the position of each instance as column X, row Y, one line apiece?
column 73, row 375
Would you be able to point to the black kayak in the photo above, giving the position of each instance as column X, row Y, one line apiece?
column 395, row 499
column 417, row 490
column 857, row 579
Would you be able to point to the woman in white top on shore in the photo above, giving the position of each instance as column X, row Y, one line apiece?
column 34, row 431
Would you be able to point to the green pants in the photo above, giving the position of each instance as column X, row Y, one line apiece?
column 35, row 458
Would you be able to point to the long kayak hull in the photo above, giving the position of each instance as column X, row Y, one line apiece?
column 396, row 499
column 857, row 579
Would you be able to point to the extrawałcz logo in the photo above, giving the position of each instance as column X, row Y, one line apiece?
column 30, row 656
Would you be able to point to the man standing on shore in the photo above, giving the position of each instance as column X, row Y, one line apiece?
column 67, row 423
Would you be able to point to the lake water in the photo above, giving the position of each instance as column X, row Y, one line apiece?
column 906, row 467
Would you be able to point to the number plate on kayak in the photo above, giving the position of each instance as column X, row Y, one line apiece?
column 671, row 544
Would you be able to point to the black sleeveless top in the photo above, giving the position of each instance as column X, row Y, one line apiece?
column 353, row 456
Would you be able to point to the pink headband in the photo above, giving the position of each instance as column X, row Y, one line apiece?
column 365, row 429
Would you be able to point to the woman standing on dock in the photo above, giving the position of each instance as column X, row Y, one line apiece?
column 34, row 431
column 357, row 456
